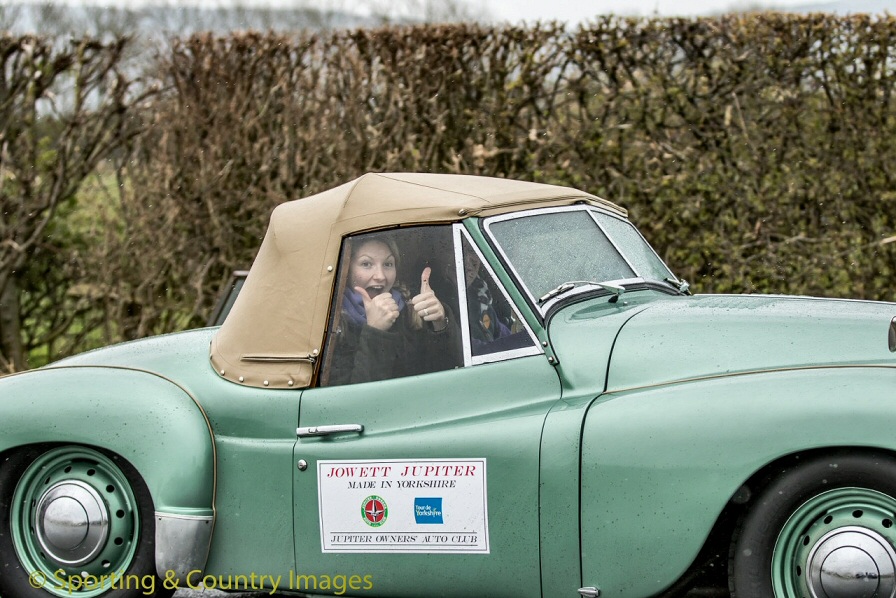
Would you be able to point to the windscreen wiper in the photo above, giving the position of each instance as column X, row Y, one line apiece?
column 682, row 285
column 566, row 286
column 616, row 289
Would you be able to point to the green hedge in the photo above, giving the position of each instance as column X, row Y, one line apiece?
column 755, row 152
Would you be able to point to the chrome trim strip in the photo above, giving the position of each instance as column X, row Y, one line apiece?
column 278, row 358
column 638, row 232
column 615, row 244
column 182, row 544
column 461, row 277
column 511, row 354
column 796, row 368
column 535, row 211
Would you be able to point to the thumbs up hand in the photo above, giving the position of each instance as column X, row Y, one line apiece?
column 382, row 310
column 427, row 306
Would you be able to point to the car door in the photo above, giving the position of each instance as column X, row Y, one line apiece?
column 426, row 483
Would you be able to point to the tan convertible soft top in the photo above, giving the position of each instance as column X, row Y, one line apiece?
column 273, row 335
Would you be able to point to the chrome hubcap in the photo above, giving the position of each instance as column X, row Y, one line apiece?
column 73, row 514
column 71, row 522
column 852, row 562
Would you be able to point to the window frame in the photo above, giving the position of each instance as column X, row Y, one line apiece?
column 460, row 235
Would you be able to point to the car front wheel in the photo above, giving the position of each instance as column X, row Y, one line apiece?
column 824, row 528
column 75, row 521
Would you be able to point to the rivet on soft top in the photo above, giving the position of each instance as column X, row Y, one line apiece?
column 462, row 212
column 222, row 372
column 314, row 352
column 290, row 382
column 266, row 382
column 241, row 379
column 329, row 268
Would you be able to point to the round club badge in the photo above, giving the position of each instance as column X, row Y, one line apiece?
column 374, row 511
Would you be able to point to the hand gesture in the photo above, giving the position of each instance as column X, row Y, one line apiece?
column 427, row 306
column 382, row 310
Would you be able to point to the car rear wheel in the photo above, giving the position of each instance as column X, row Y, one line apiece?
column 75, row 521
column 822, row 529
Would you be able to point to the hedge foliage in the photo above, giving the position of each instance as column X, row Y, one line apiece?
column 755, row 152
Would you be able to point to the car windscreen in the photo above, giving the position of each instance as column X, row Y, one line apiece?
column 548, row 248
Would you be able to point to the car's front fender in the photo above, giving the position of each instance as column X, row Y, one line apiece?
column 146, row 419
column 660, row 463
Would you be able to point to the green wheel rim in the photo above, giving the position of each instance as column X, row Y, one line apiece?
column 866, row 514
column 75, row 522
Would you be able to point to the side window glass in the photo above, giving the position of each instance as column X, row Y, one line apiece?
column 494, row 326
column 395, row 307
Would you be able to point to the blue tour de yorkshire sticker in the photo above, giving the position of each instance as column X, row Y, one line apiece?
column 428, row 510
column 374, row 511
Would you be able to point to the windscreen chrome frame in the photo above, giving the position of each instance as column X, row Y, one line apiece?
column 544, row 308
column 461, row 234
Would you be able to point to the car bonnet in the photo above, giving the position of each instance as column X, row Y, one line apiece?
column 706, row 336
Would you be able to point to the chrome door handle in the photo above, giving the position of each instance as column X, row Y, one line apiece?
column 328, row 430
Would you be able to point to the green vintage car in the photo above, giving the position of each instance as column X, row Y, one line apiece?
column 443, row 385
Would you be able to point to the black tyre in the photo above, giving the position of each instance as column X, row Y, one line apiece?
column 75, row 522
column 824, row 528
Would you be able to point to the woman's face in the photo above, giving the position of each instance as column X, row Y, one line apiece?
column 373, row 268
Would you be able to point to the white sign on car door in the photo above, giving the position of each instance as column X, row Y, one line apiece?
column 428, row 506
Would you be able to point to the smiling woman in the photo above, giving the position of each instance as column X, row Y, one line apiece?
column 369, row 293
column 382, row 327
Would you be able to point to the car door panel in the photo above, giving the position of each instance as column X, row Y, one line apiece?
column 489, row 414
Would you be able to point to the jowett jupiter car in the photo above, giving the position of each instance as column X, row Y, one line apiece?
column 436, row 385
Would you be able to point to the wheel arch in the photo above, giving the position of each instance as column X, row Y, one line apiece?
column 826, row 500
column 661, row 465
column 771, row 471
column 145, row 419
column 711, row 566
